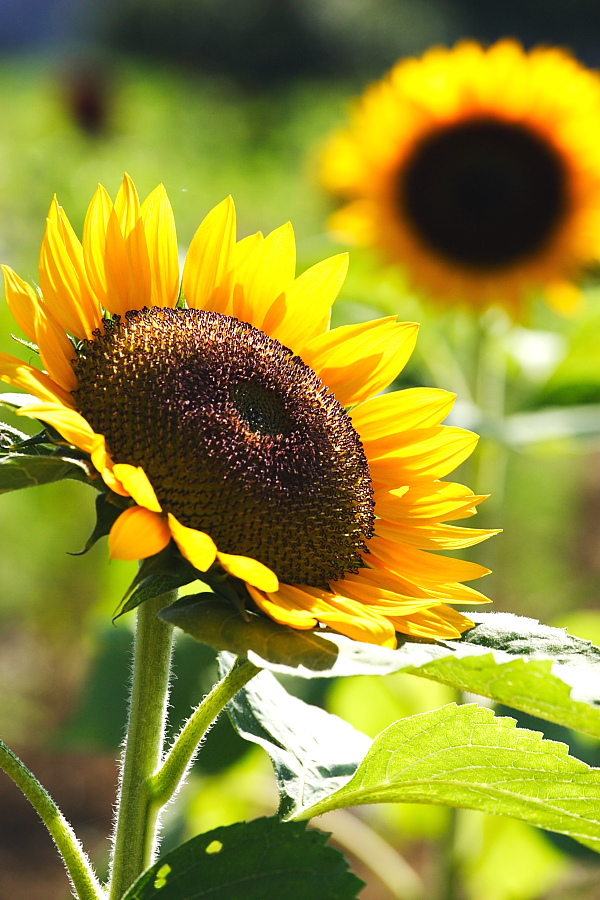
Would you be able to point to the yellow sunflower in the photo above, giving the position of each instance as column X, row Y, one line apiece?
column 239, row 427
column 478, row 170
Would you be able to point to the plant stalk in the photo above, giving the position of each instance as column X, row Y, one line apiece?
column 83, row 878
column 166, row 782
column 136, row 827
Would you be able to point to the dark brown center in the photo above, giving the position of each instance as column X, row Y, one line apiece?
column 484, row 193
column 238, row 437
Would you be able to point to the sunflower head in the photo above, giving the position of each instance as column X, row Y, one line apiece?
column 234, row 431
column 478, row 170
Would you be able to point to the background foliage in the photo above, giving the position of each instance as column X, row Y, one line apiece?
column 247, row 120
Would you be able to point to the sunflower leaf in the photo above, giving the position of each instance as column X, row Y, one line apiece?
column 107, row 513
column 313, row 752
column 10, row 438
column 20, row 470
column 16, row 401
column 511, row 659
column 466, row 757
column 159, row 574
column 253, row 860
column 216, row 621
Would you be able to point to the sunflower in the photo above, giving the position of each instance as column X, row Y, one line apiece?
column 238, row 429
column 478, row 170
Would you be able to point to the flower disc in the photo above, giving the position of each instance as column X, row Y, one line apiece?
column 484, row 193
column 237, row 435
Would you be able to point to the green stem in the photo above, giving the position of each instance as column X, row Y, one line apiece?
column 166, row 782
column 136, row 828
column 85, row 883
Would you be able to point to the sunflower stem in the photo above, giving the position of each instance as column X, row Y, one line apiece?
column 136, row 827
column 166, row 782
column 83, row 878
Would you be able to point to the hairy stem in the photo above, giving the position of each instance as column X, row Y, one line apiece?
column 167, row 780
column 83, row 879
column 135, row 838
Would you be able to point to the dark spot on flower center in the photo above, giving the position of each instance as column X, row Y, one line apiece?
column 484, row 193
column 238, row 437
column 261, row 409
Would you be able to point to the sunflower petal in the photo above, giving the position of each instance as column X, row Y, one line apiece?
column 138, row 534
column 439, row 622
column 434, row 501
column 197, row 547
column 22, row 300
column 127, row 262
column 94, row 241
column 56, row 349
column 401, row 411
column 209, row 259
column 303, row 309
column 69, row 423
column 161, row 237
column 249, row 570
column 356, row 362
column 14, row 371
column 136, row 483
column 426, row 453
column 267, row 272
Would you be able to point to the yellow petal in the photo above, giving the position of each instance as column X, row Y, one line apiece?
column 136, row 483
column 56, row 349
column 127, row 263
column 94, row 241
column 303, row 310
column 250, row 571
column 439, row 622
column 435, row 501
column 196, row 546
column 72, row 426
column 341, row 613
column 161, row 238
column 104, row 464
column 91, row 312
column 427, row 453
column 245, row 248
column 433, row 537
column 421, row 567
column 14, row 371
column 22, row 300
column 401, row 411
column 267, row 272
column 356, row 362
column 209, row 260
column 137, row 534
column 61, row 287
column 282, row 610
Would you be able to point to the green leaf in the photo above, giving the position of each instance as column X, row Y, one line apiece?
column 165, row 571
column 19, row 470
column 464, row 756
column 218, row 622
column 313, row 752
column 250, row 860
column 11, row 437
column 16, row 401
column 510, row 659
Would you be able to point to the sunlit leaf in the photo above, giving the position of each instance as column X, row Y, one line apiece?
column 511, row 659
column 16, row 401
column 464, row 756
column 253, row 861
column 314, row 752
column 19, row 470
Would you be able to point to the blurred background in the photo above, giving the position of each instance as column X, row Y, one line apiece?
column 236, row 96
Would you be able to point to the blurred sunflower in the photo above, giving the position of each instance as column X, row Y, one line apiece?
column 222, row 417
column 478, row 170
